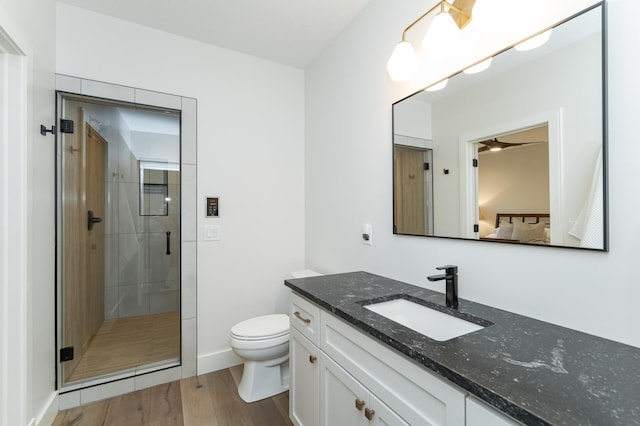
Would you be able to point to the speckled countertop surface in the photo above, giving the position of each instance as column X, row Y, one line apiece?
column 536, row 372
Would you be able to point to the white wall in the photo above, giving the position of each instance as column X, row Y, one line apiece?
column 412, row 118
column 34, row 33
column 250, row 154
column 348, row 126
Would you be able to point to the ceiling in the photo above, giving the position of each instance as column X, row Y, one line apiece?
column 290, row 32
column 150, row 121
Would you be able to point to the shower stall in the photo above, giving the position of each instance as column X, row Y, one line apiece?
column 119, row 227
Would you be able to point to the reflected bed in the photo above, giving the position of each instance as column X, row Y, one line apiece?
column 529, row 228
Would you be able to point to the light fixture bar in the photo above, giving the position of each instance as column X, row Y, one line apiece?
column 462, row 18
column 461, row 22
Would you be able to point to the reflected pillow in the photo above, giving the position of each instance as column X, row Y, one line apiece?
column 505, row 231
column 529, row 232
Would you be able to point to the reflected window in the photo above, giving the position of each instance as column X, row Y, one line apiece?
column 154, row 187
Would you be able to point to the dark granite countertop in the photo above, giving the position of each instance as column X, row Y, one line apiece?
column 536, row 372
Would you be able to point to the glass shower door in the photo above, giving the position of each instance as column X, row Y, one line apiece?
column 119, row 240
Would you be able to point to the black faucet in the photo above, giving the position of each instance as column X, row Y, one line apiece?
column 451, row 277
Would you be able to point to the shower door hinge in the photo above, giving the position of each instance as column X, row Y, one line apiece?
column 66, row 126
column 66, row 354
column 44, row 130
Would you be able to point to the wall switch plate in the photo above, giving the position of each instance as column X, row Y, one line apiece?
column 367, row 234
column 212, row 233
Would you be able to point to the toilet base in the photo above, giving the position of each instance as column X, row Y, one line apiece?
column 264, row 379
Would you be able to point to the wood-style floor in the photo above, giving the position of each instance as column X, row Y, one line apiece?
column 210, row 399
column 125, row 343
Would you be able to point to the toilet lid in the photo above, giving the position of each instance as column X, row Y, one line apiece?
column 264, row 327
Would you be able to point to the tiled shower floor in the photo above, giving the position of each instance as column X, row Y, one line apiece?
column 126, row 343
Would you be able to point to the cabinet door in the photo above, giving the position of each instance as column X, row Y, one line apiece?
column 303, row 380
column 382, row 415
column 342, row 399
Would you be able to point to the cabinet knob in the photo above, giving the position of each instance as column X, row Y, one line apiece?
column 359, row 404
column 369, row 414
column 312, row 359
column 303, row 319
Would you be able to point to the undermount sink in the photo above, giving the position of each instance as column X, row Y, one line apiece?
column 427, row 321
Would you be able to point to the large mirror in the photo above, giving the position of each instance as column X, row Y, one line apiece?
column 513, row 154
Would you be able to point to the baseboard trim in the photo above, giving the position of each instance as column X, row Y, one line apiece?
column 215, row 361
column 49, row 411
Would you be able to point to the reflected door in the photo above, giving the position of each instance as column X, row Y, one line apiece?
column 412, row 190
column 84, row 157
column 94, row 176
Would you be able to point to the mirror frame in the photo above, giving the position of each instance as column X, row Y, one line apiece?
column 604, row 98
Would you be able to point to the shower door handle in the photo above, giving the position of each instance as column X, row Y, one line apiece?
column 168, row 243
column 92, row 220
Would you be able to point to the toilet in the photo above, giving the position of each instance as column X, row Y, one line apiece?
column 263, row 343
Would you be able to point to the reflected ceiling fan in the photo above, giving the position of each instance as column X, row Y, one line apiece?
column 496, row 145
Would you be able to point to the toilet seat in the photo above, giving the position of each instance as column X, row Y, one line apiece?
column 262, row 328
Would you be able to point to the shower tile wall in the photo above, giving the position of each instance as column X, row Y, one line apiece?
column 140, row 277
column 163, row 269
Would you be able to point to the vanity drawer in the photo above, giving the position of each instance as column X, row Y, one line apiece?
column 305, row 317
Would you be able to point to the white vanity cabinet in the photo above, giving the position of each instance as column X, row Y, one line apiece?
column 416, row 395
column 304, row 371
column 353, row 369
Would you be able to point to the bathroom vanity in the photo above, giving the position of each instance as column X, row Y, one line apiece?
column 350, row 365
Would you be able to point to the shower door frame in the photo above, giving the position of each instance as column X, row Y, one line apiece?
column 93, row 389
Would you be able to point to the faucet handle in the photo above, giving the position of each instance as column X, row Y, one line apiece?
column 450, row 269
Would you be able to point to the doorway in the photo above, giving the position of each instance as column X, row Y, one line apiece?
column 512, row 175
column 548, row 125
column 14, row 218
column 119, row 239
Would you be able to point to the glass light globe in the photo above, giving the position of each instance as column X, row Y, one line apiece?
column 403, row 62
column 479, row 67
column 438, row 86
column 440, row 40
column 481, row 10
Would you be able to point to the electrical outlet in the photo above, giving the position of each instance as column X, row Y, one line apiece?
column 367, row 234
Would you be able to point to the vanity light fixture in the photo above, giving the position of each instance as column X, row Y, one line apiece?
column 450, row 18
column 535, row 41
